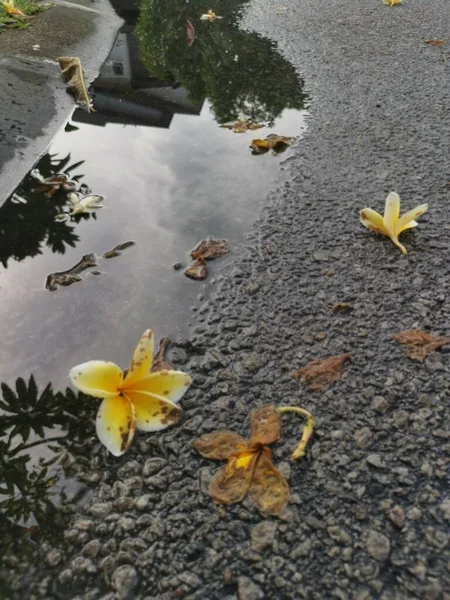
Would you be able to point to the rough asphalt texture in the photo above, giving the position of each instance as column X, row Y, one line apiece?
column 33, row 98
column 369, row 512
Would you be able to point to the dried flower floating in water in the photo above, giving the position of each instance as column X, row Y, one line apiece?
column 52, row 184
column 276, row 143
column 243, row 125
column 207, row 250
column 135, row 399
column 210, row 16
column 73, row 75
column 249, row 470
column 391, row 224
column 320, row 373
column 419, row 343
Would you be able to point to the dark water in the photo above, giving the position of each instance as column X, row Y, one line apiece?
column 170, row 177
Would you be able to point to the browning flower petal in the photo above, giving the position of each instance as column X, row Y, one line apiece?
column 141, row 363
column 97, row 378
column 220, row 444
column 269, row 490
column 116, row 424
column 232, row 482
column 265, row 424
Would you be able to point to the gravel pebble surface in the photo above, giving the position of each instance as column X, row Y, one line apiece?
column 368, row 516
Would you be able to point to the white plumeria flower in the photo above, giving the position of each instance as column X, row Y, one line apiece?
column 135, row 399
column 89, row 203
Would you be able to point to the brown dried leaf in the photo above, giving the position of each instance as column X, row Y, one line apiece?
column 72, row 72
column 220, row 445
column 269, row 490
column 231, row 484
column 265, row 425
column 159, row 361
column 209, row 249
column 342, row 307
column 419, row 343
column 276, row 143
column 66, row 278
column 434, row 42
column 52, row 184
column 197, row 270
column 322, row 372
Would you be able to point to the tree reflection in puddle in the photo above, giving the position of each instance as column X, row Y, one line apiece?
column 240, row 73
column 29, row 226
column 47, row 439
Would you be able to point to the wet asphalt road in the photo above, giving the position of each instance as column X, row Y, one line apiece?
column 368, row 516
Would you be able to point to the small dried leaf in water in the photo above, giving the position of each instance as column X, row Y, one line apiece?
column 52, row 184
column 419, row 343
column 276, row 143
column 243, row 125
column 71, row 276
column 435, row 42
column 209, row 249
column 198, row 270
column 117, row 250
column 322, row 372
column 72, row 72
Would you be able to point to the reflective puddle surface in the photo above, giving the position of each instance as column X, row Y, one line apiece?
column 71, row 287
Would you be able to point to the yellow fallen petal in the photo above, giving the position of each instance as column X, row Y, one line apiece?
column 372, row 220
column 97, row 378
column 153, row 412
column 394, row 238
column 142, row 359
column 391, row 212
column 408, row 219
column 168, row 384
column 116, row 424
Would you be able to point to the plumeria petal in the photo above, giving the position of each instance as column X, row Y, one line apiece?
column 116, row 424
column 97, row 378
column 391, row 212
column 168, row 384
column 408, row 219
column 372, row 220
column 153, row 412
column 142, row 359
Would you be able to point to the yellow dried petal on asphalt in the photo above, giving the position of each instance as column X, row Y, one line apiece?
column 391, row 224
column 435, row 42
column 392, row 2
column 140, row 399
column 210, row 16
column 265, row 425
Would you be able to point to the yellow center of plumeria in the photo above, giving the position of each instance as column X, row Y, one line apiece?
column 140, row 399
column 391, row 224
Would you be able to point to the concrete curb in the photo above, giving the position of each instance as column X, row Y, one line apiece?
column 33, row 96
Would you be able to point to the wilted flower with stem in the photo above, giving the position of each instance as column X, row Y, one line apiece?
column 11, row 9
column 391, row 224
column 249, row 470
column 134, row 399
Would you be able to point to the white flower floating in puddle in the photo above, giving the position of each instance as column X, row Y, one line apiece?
column 392, row 224
column 137, row 398
column 210, row 16
column 86, row 204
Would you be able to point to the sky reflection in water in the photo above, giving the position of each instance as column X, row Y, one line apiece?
column 166, row 188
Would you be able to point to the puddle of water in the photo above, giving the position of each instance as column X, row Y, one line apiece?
column 170, row 177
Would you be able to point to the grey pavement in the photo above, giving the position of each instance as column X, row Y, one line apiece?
column 33, row 98
column 369, row 510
